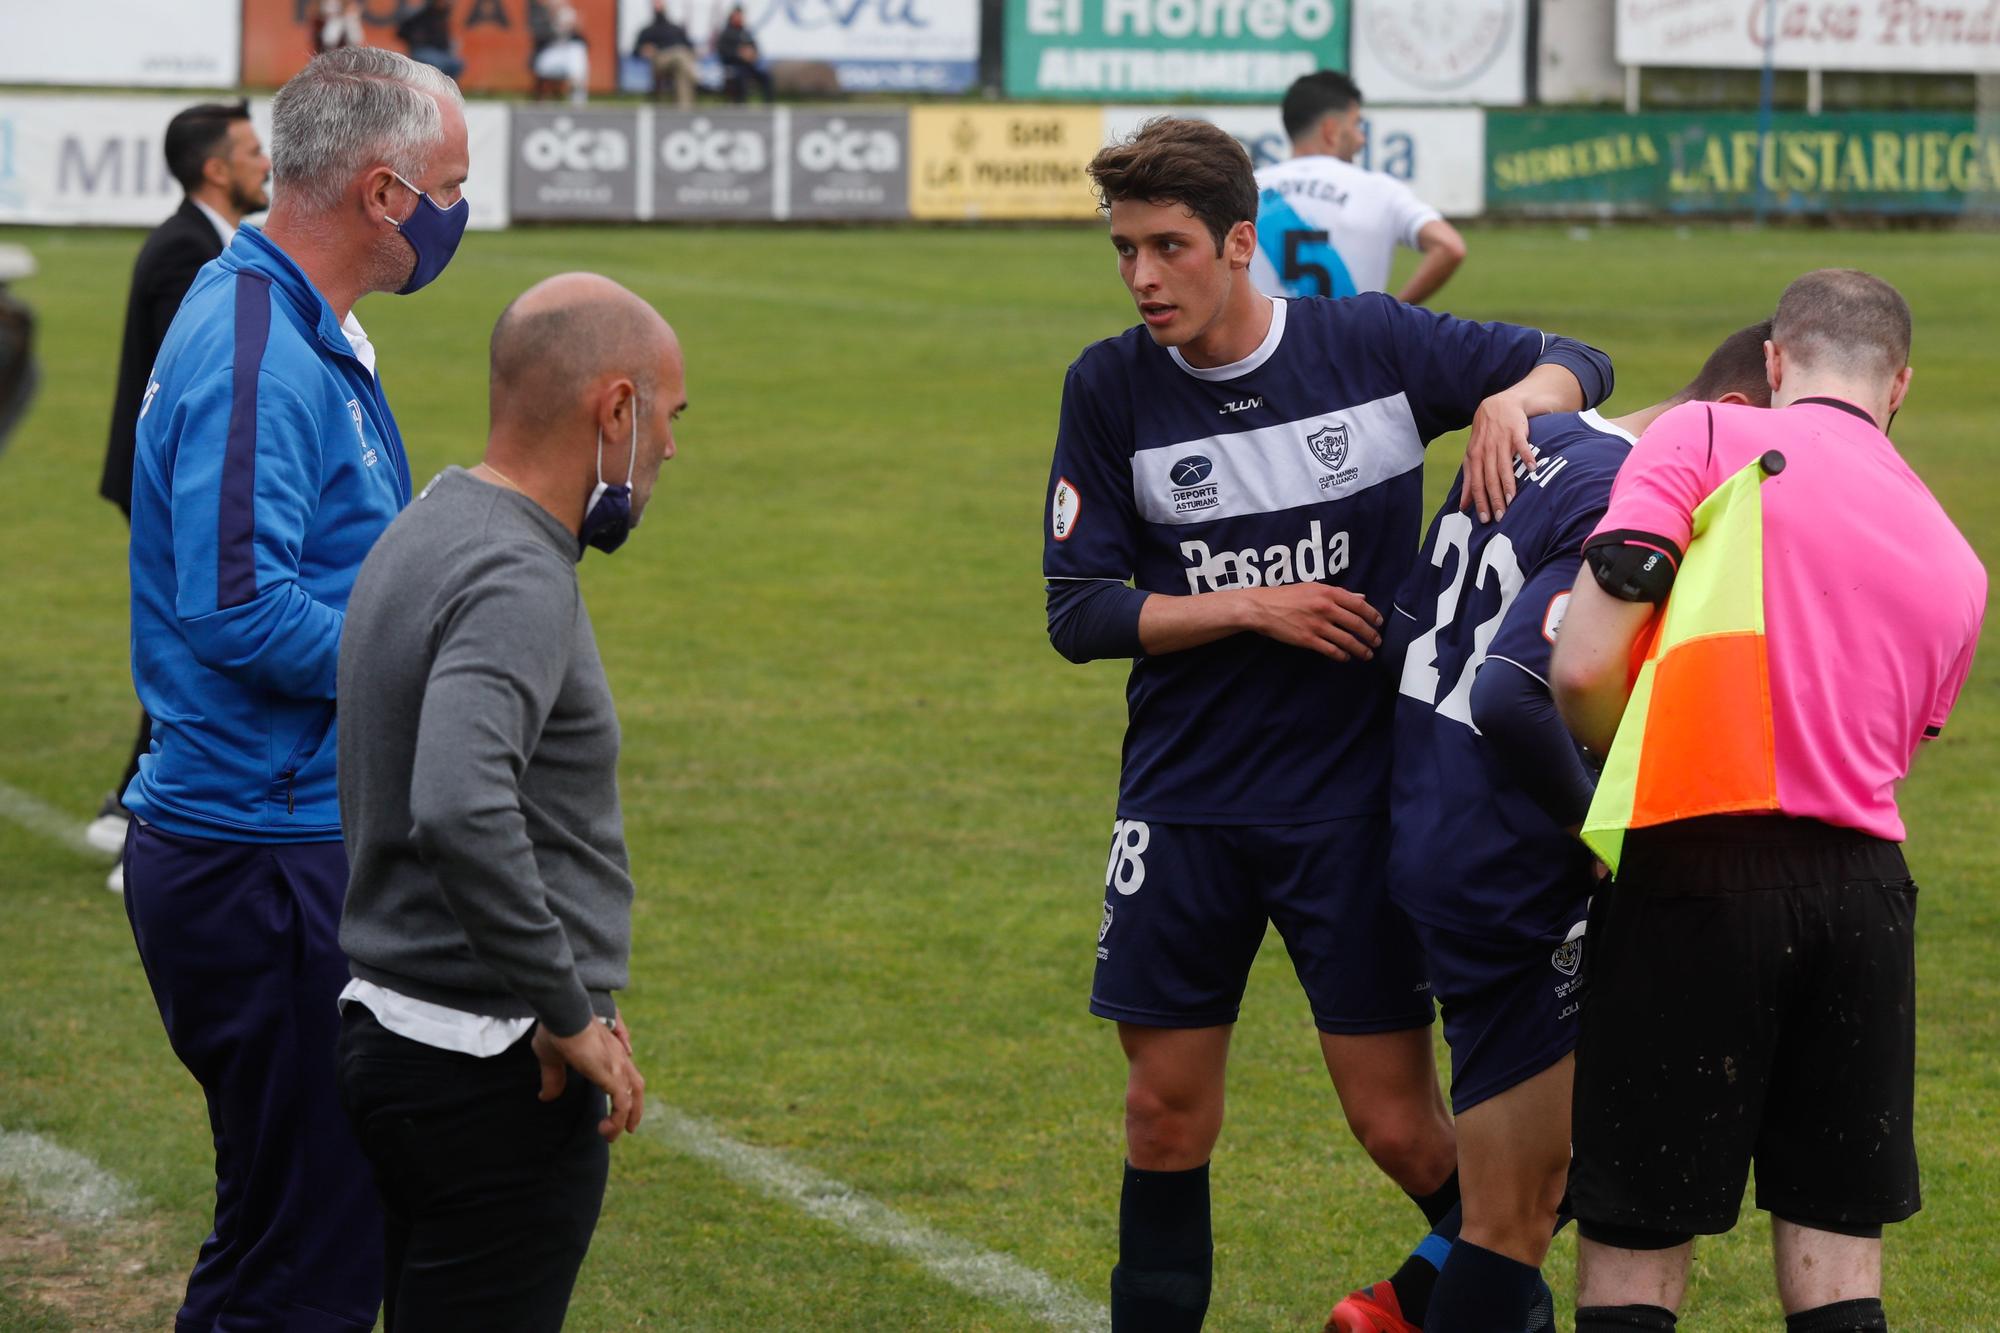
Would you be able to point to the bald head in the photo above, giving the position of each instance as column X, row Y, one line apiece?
column 558, row 345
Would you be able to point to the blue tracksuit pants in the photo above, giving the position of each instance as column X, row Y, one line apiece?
column 240, row 945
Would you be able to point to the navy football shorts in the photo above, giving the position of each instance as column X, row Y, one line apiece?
column 1185, row 906
column 1510, row 1004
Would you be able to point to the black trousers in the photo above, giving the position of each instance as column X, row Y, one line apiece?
column 489, row 1194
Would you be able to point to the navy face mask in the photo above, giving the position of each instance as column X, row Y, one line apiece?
column 433, row 233
column 607, row 518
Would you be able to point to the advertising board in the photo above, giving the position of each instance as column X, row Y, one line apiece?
column 1019, row 162
column 1464, row 51
column 1583, row 162
column 1439, row 152
column 122, row 43
column 1132, row 50
column 1912, row 35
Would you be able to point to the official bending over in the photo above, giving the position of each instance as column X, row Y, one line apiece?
column 267, row 464
column 490, row 915
column 1753, row 978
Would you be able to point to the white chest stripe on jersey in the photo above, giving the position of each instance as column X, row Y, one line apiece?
column 1275, row 468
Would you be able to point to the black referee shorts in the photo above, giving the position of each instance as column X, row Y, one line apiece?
column 1752, row 988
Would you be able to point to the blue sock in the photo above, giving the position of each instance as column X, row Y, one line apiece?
column 1479, row 1291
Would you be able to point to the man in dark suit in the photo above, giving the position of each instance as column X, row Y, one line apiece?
column 213, row 151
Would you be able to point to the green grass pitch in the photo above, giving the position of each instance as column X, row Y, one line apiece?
column 867, row 803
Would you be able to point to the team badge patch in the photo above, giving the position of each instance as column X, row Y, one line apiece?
column 1104, row 926
column 1568, row 956
column 361, row 435
column 1064, row 509
column 1329, row 445
column 1552, row 619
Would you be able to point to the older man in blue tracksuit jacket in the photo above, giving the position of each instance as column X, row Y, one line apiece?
column 267, row 464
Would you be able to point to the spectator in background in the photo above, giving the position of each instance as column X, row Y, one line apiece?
column 426, row 30
column 18, row 372
column 736, row 48
column 338, row 25
column 213, row 151
column 666, row 46
column 561, row 62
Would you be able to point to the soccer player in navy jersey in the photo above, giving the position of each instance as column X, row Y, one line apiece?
column 1487, row 791
column 1252, row 467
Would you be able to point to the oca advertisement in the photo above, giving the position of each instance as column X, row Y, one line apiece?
column 851, row 164
column 1439, row 153
column 575, row 164
column 714, row 164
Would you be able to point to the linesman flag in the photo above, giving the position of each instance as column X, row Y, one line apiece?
column 1696, row 737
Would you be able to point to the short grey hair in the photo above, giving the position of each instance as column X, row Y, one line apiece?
column 351, row 108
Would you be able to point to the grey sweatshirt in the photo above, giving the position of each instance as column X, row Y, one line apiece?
column 479, row 766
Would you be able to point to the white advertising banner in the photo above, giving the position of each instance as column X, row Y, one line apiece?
column 1439, row 153
column 872, row 45
column 98, row 161
column 1472, row 52
column 112, row 43
column 1895, row 35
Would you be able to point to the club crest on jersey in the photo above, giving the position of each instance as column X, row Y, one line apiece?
column 368, row 455
column 1104, row 926
column 1063, row 510
column 1568, row 956
column 1329, row 445
column 1193, row 491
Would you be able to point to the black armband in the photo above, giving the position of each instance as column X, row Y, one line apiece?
column 1633, row 566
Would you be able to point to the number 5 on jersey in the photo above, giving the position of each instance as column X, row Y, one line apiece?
column 1126, row 870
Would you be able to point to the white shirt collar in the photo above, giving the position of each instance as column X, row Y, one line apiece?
column 357, row 338
column 1589, row 416
column 1249, row 363
column 215, row 220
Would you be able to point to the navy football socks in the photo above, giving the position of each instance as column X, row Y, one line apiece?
column 1622, row 1318
column 1166, row 1252
column 1481, row 1291
column 1862, row 1316
column 1418, row 1275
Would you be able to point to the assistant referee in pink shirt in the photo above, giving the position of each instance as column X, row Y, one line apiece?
column 1753, row 981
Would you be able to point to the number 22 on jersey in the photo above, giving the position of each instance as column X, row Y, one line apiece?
column 1496, row 567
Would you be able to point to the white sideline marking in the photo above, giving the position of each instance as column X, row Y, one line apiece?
column 981, row 1272
column 39, row 817
column 63, row 1182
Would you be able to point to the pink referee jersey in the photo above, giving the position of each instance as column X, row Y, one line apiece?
column 1872, row 598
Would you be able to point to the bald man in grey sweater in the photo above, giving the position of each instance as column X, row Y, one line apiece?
column 488, row 916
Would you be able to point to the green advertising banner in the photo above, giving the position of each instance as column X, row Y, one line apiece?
column 1578, row 162
column 1149, row 50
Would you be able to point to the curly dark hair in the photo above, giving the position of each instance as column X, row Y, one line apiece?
column 1177, row 161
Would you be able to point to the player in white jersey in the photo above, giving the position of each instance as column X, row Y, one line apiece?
column 1326, row 227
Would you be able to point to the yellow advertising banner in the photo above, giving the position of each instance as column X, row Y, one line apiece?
column 1020, row 162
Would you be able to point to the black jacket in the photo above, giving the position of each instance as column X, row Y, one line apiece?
column 161, row 275
column 662, row 33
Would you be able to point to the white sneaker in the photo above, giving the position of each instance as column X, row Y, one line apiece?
column 115, row 881
column 106, row 833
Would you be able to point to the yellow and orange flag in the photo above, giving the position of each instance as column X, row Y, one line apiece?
column 1696, row 737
